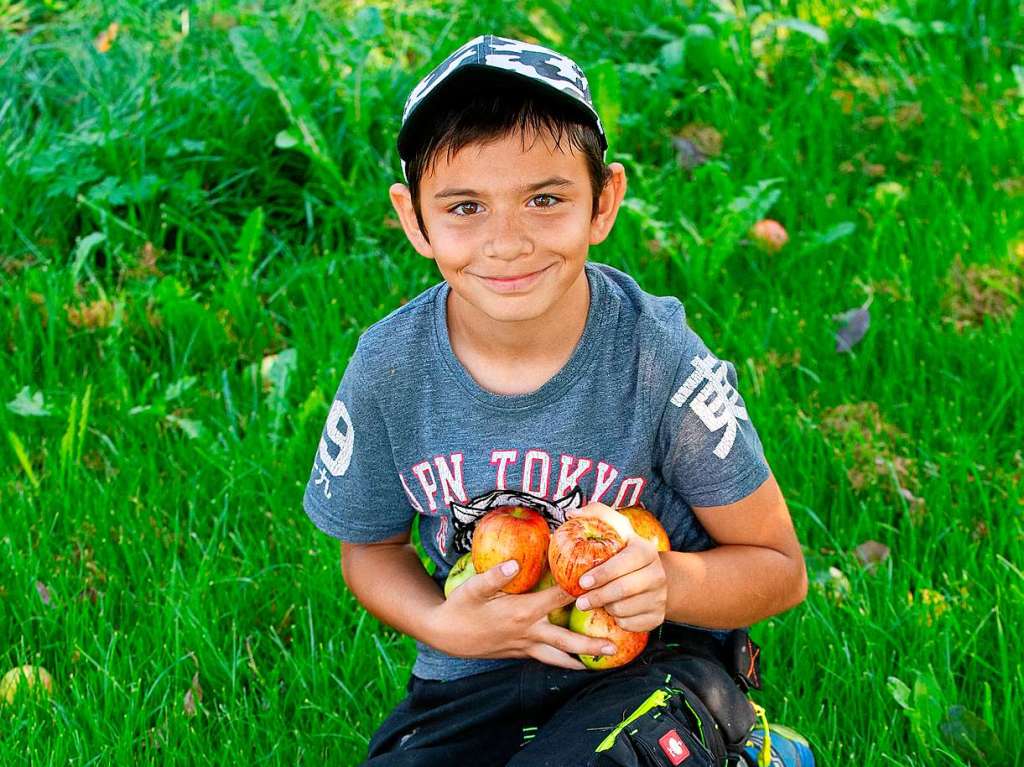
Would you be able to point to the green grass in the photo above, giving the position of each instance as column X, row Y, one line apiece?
column 156, row 491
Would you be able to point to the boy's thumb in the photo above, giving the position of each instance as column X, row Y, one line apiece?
column 498, row 576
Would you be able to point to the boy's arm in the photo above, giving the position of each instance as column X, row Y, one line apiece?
column 388, row 579
column 756, row 571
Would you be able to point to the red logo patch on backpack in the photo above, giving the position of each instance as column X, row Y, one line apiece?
column 674, row 748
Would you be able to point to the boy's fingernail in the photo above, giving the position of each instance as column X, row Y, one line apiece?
column 609, row 649
column 586, row 581
column 583, row 604
column 509, row 568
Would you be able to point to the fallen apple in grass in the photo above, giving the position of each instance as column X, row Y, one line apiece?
column 23, row 679
column 646, row 525
column 599, row 624
column 579, row 544
column 560, row 615
column 769, row 235
column 512, row 532
column 461, row 572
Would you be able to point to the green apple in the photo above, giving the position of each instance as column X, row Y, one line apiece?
column 461, row 572
column 600, row 624
column 560, row 615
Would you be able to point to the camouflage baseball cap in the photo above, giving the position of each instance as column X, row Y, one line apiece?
column 498, row 57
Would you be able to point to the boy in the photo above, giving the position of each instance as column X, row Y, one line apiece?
column 531, row 376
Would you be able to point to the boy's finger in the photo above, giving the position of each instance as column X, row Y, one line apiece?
column 571, row 642
column 622, row 588
column 555, row 657
column 487, row 584
column 546, row 600
column 635, row 556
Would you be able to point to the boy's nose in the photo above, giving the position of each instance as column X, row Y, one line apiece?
column 508, row 239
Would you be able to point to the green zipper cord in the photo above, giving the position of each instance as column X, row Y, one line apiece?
column 764, row 757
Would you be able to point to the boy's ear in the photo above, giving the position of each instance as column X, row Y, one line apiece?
column 401, row 199
column 608, row 203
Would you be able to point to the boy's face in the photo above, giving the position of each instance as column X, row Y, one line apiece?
column 485, row 221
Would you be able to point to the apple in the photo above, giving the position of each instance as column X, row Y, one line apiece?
column 560, row 615
column 579, row 544
column 646, row 525
column 600, row 624
column 24, row 676
column 769, row 235
column 512, row 532
column 461, row 572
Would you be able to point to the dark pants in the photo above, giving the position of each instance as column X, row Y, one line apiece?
column 533, row 714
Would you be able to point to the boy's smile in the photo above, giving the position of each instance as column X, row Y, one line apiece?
column 510, row 225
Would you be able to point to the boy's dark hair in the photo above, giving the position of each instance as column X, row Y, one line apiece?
column 485, row 110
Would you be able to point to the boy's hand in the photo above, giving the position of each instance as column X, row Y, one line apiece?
column 479, row 620
column 631, row 585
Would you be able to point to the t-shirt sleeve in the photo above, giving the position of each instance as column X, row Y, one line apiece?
column 706, row 447
column 353, row 492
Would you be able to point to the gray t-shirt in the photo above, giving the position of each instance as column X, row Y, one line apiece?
column 641, row 414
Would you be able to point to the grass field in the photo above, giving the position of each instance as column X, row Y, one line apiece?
column 195, row 229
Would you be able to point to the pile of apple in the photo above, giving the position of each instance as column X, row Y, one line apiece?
column 562, row 557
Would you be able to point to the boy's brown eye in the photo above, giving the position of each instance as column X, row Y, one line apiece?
column 455, row 208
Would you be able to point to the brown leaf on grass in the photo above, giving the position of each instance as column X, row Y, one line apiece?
column 284, row 626
column 860, row 164
column 1014, row 187
column 908, row 115
column 979, row 291
column 868, row 85
column 860, row 419
column 87, row 593
column 873, row 169
column 870, row 553
column 96, row 314
column 192, row 696
column 10, row 264
column 223, row 21
column 252, row 660
column 106, row 38
column 845, row 99
column 915, row 504
column 40, row 301
column 392, row 223
column 871, row 449
column 146, row 266
column 891, row 288
column 153, row 317
column 705, row 137
column 44, row 593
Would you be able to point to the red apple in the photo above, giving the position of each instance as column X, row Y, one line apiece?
column 600, row 624
column 560, row 615
column 512, row 532
column 646, row 525
column 769, row 235
column 579, row 544
column 461, row 572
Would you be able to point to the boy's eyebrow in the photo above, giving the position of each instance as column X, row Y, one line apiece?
column 553, row 181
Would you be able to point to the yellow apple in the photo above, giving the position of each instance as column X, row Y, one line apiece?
column 22, row 679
